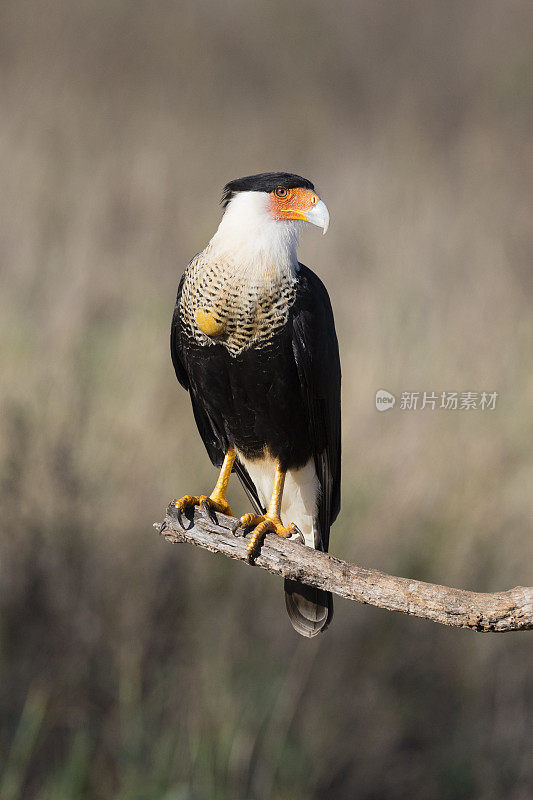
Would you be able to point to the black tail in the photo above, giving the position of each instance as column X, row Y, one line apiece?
column 310, row 609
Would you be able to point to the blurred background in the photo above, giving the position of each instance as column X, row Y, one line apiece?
column 136, row 670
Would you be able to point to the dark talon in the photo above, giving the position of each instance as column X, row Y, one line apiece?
column 205, row 506
column 180, row 521
column 299, row 535
column 235, row 527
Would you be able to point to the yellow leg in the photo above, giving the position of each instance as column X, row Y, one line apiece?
column 218, row 495
column 271, row 521
column 216, row 501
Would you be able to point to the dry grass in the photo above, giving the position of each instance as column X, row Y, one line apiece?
column 133, row 670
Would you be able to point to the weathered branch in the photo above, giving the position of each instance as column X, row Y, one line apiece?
column 511, row 610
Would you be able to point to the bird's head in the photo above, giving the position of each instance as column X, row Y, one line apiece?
column 262, row 217
column 279, row 196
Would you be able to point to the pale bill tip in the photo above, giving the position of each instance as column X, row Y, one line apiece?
column 319, row 215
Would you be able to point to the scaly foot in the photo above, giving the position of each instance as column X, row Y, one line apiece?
column 208, row 503
column 262, row 524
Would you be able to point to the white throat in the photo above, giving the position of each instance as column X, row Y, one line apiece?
column 253, row 242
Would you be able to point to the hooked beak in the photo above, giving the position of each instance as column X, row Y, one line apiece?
column 319, row 215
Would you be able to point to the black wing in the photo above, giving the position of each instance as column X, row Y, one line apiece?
column 316, row 352
column 213, row 441
column 176, row 349
column 208, row 431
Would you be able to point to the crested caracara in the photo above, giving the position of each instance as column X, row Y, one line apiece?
column 253, row 341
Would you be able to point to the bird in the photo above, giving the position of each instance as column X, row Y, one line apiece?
column 253, row 341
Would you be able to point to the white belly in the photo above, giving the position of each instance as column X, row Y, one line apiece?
column 300, row 494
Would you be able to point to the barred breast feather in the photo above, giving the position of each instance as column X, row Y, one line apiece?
column 249, row 308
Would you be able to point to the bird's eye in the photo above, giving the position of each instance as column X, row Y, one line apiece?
column 281, row 192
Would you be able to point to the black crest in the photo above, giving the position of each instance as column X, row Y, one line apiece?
column 264, row 182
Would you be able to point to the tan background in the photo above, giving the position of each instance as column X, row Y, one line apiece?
column 134, row 670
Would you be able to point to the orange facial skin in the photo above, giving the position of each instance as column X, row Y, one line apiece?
column 292, row 203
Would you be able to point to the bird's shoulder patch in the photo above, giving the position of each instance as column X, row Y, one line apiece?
column 208, row 323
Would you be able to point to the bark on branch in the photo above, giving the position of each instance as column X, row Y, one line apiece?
column 510, row 610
